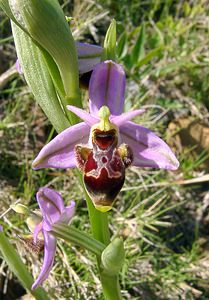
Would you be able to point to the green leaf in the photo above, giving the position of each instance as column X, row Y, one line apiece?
column 45, row 23
column 38, row 78
column 149, row 56
column 4, row 4
column 110, row 42
column 52, row 67
column 122, row 45
column 138, row 49
column 174, row 66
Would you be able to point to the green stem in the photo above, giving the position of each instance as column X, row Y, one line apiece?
column 100, row 231
column 75, row 236
column 111, row 287
column 18, row 268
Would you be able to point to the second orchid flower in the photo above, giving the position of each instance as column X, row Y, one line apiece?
column 53, row 212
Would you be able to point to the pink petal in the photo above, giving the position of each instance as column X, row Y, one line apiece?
column 59, row 153
column 88, row 56
column 127, row 116
column 37, row 230
column 49, row 254
column 68, row 213
column 51, row 205
column 148, row 149
column 107, row 87
column 84, row 115
column 18, row 67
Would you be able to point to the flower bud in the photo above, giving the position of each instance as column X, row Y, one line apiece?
column 110, row 42
column 20, row 208
column 113, row 257
column 33, row 220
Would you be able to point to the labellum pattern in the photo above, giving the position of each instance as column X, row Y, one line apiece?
column 103, row 167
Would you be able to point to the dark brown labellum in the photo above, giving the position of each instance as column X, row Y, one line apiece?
column 104, row 175
column 103, row 167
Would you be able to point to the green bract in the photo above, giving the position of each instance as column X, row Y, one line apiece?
column 113, row 257
column 110, row 42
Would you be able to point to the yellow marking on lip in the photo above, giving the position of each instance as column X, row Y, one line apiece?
column 103, row 208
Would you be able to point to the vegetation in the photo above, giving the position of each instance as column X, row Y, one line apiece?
column 163, row 216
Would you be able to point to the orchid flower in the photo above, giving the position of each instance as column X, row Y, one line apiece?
column 53, row 212
column 107, row 142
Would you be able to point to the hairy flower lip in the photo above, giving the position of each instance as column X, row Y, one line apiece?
column 53, row 212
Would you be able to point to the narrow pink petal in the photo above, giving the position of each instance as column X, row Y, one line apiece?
column 18, row 67
column 84, row 115
column 68, row 213
column 127, row 116
column 49, row 254
column 107, row 87
column 88, row 56
column 51, row 205
column 59, row 153
column 37, row 230
column 148, row 149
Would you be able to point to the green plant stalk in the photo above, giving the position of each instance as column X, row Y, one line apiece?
column 100, row 230
column 18, row 268
column 57, row 81
column 111, row 287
